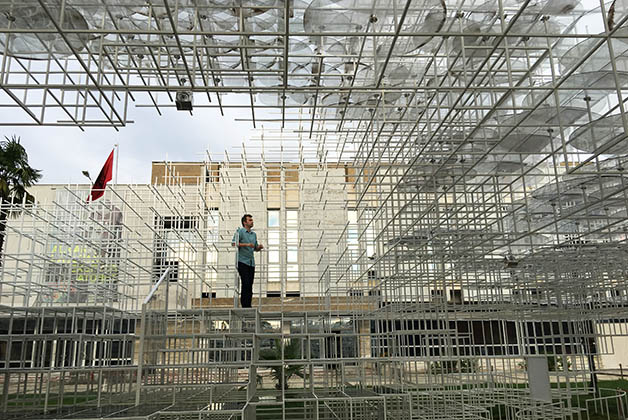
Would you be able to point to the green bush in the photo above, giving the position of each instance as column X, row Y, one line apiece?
column 454, row 366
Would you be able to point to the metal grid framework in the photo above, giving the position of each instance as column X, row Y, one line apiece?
column 463, row 164
column 67, row 251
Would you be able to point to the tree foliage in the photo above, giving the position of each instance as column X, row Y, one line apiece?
column 282, row 373
column 16, row 176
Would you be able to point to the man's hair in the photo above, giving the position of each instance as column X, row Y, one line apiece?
column 244, row 218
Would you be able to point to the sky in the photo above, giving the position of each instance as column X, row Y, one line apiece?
column 61, row 153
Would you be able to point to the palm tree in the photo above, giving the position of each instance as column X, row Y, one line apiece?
column 16, row 175
column 291, row 351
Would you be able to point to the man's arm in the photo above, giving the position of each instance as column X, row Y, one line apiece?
column 257, row 247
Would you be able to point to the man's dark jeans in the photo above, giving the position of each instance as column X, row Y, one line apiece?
column 246, row 284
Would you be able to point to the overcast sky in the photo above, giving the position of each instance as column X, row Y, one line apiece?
column 63, row 152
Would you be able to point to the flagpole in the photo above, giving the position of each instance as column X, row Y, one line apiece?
column 117, row 147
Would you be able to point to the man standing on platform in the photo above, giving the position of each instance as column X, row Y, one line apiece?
column 246, row 240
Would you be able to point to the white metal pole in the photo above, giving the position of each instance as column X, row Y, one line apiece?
column 117, row 151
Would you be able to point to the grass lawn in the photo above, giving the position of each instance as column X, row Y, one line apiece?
column 607, row 410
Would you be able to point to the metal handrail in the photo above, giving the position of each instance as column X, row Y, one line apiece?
column 140, row 360
column 156, row 286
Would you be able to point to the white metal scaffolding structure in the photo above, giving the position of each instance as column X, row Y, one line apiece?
column 443, row 197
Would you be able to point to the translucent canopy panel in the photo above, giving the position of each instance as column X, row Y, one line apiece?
column 599, row 208
column 434, row 64
column 423, row 18
column 532, row 131
column 480, row 33
column 476, row 40
column 443, row 170
column 290, row 98
column 594, row 86
column 528, row 27
column 109, row 15
column 249, row 8
column 614, row 164
column 586, row 191
column 489, row 8
column 329, row 16
column 40, row 45
column 548, row 7
column 504, row 165
column 325, row 19
column 530, row 215
column 525, row 143
column 600, row 59
column 566, row 190
column 522, row 243
column 605, row 135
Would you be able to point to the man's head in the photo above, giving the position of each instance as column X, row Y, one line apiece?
column 247, row 221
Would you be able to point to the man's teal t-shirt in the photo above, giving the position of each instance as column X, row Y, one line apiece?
column 245, row 254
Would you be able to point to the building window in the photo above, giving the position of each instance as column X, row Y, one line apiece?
column 273, row 218
column 274, row 253
column 174, row 236
column 283, row 252
column 292, row 252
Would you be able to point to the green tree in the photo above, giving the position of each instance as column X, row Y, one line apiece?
column 16, row 175
column 291, row 351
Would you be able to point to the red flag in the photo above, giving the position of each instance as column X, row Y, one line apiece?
column 105, row 175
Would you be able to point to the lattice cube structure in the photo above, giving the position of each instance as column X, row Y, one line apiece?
column 444, row 196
